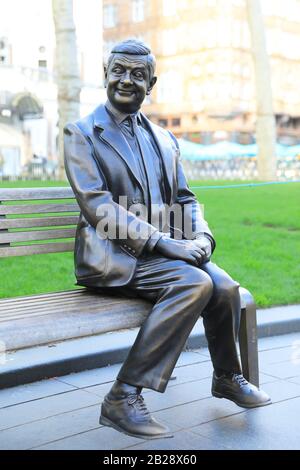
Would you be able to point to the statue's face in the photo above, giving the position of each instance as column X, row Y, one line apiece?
column 128, row 81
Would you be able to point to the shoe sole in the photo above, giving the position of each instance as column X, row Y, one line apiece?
column 107, row 422
column 242, row 405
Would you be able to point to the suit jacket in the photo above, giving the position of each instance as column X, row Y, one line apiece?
column 101, row 167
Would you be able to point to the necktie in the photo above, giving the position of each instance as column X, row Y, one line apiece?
column 128, row 122
column 153, row 172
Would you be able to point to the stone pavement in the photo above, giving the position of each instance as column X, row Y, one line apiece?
column 62, row 413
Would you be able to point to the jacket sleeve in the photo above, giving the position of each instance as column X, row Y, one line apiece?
column 90, row 189
column 193, row 223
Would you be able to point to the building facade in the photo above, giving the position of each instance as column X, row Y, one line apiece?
column 206, row 89
column 28, row 92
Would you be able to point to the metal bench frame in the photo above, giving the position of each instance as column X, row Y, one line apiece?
column 55, row 215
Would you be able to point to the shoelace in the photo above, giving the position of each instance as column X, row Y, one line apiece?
column 240, row 379
column 138, row 401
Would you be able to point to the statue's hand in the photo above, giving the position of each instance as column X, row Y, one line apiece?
column 205, row 244
column 186, row 250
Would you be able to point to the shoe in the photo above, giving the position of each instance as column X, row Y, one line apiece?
column 124, row 410
column 235, row 387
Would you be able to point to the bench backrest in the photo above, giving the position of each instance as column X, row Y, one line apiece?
column 37, row 220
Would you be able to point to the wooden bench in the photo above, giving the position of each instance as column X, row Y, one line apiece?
column 43, row 220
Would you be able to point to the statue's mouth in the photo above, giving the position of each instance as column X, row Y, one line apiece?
column 125, row 92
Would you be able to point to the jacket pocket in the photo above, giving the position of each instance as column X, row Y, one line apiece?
column 90, row 253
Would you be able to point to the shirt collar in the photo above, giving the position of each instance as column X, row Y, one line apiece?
column 118, row 116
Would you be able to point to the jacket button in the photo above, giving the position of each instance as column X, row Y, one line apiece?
column 137, row 201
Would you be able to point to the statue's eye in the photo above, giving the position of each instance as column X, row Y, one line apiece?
column 138, row 74
column 117, row 70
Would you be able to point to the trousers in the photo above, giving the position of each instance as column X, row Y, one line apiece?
column 181, row 293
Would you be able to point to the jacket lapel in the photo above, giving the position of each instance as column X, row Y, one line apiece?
column 111, row 134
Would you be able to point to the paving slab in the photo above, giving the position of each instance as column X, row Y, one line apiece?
column 282, row 390
column 273, row 427
column 183, row 440
column 281, row 341
column 103, row 438
column 282, row 370
column 49, row 429
column 276, row 356
column 295, row 380
column 45, row 407
column 88, row 378
column 183, row 393
column 190, row 357
column 33, row 391
column 200, row 411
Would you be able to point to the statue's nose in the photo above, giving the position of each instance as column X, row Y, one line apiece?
column 126, row 79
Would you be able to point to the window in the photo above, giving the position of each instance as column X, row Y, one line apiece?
column 109, row 16
column 138, row 10
column 42, row 65
column 163, row 122
column 176, row 122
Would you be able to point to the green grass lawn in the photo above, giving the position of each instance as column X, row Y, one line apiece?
column 257, row 230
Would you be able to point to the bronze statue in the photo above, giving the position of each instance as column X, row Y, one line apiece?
column 126, row 175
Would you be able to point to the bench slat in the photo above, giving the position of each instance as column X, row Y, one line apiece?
column 53, row 303
column 36, row 249
column 38, row 222
column 36, row 235
column 38, row 209
column 40, row 310
column 20, row 194
column 19, row 300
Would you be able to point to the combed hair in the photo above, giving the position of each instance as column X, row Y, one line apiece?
column 134, row 47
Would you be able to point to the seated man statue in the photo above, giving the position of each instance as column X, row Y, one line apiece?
column 141, row 233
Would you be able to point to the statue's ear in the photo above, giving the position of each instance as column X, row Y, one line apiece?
column 151, row 85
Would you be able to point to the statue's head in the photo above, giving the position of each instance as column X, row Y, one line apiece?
column 129, row 75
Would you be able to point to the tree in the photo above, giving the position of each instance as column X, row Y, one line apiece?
column 67, row 69
column 265, row 124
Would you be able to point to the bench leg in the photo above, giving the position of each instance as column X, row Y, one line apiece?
column 248, row 339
